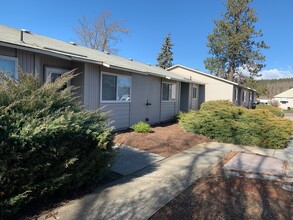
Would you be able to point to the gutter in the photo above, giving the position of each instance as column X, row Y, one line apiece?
column 50, row 53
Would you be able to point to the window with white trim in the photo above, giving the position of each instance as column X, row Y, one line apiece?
column 116, row 88
column 243, row 96
column 250, row 96
column 53, row 73
column 169, row 91
column 8, row 65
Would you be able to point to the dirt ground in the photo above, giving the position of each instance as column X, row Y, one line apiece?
column 166, row 139
column 219, row 197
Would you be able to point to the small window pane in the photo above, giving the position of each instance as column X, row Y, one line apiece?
column 250, row 96
column 54, row 76
column 244, row 96
column 173, row 91
column 194, row 90
column 8, row 67
column 124, row 85
column 169, row 92
column 109, row 88
column 165, row 92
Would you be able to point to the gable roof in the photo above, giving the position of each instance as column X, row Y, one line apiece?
column 11, row 37
column 208, row 75
column 286, row 94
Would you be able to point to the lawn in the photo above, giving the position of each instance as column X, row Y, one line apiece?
column 164, row 139
column 218, row 197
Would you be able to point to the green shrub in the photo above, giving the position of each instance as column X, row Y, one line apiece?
column 275, row 110
column 210, row 105
column 238, row 125
column 141, row 127
column 48, row 144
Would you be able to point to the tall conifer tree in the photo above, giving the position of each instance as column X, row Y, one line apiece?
column 165, row 57
column 235, row 44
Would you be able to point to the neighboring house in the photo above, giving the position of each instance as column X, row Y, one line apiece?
column 131, row 91
column 216, row 88
column 285, row 99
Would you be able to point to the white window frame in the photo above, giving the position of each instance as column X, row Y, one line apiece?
column 250, row 96
column 170, row 100
column 49, row 69
column 15, row 59
column 243, row 96
column 114, row 101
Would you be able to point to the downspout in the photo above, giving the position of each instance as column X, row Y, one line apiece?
column 161, row 99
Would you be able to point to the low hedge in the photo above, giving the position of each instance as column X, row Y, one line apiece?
column 275, row 110
column 48, row 144
column 225, row 122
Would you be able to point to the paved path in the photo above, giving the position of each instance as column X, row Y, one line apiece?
column 130, row 160
column 141, row 194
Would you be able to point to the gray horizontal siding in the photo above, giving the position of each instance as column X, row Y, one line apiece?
column 168, row 110
column 118, row 114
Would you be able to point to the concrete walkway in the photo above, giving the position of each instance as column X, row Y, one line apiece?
column 130, row 160
column 141, row 194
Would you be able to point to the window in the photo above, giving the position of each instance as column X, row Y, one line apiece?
column 283, row 102
column 116, row 88
column 194, row 92
column 236, row 94
column 243, row 96
column 250, row 96
column 8, row 66
column 53, row 73
column 169, row 92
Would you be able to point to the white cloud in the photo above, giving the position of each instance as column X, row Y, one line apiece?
column 276, row 74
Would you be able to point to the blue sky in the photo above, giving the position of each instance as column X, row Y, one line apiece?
column 188, row 21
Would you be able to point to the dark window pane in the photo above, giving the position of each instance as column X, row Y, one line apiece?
column 55, row 76
column 194, row 93
column 165, row 92
column 109, row 87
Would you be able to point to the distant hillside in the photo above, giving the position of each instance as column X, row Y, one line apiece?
column 275, row 86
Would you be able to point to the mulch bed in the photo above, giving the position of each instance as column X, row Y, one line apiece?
column 218, row 197
column 165, row 139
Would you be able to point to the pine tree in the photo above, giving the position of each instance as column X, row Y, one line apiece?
column 165, row 57
column 235, row 44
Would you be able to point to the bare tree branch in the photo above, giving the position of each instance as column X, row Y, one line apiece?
column 101, row 34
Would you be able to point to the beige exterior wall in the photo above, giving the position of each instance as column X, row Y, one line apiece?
column 214, row 89
column 285, row 106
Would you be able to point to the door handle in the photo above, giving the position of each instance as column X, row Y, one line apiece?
column 148, row 103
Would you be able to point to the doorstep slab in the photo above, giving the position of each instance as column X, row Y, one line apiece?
column 130, row 160
column 258, row 164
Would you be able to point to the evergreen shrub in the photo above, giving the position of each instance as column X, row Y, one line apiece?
column 275, row 110
column 48, row 144
column 224, row 122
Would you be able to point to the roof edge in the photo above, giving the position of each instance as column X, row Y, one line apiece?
column 208, row 75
